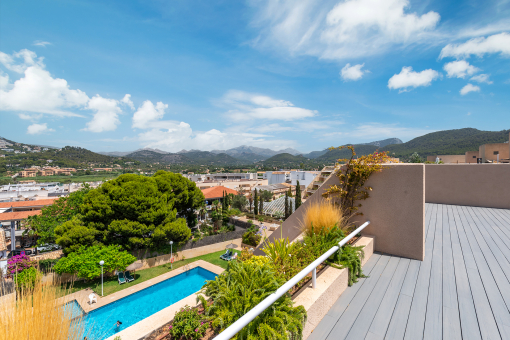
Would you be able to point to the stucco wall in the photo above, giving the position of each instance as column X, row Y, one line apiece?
column 471, row 156
column 487, row 151
column 395, row 209
column 478, row 185
column 448, row 159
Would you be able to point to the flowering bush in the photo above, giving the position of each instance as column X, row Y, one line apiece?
column 259, row 261
column 19, row 263
column 188, row 324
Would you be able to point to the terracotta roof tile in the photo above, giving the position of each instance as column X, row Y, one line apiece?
column 36, row 203
column 217, row 192
column 18, row 215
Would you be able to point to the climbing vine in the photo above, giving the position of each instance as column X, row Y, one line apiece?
column 353, row 175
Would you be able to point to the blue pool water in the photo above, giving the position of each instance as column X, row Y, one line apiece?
column 101, row 323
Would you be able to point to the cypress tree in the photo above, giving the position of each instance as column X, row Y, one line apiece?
column 286, row 205
column 261, row 209
column 298, row 196
column 256, row 203
column 290, row 192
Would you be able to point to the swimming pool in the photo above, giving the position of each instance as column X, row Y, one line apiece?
column 101, row 323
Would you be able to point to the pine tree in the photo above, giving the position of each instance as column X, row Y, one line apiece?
column 298, row 196
column 256, row 203
column 261, row 208
column 286, row 205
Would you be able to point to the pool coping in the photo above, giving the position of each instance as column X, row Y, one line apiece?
column 156, row 320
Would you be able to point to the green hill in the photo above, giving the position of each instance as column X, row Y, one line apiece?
column 448, row 142
column 284, row 160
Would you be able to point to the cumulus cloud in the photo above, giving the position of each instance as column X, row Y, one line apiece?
column 19, row 61
column 469, row 88
column 148, row 115
column 340, row 29
column 460, row 69
column 497, row 43
column 482, row 78
column 353, row 72
column 127, row 100
column 4, row 80
column 36, row 129
column 409, row 78
column 106, row 117
column 37, row 90
column 246, row 106
column 41, row 43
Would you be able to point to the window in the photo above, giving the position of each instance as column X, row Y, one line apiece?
column 474, row 156
column 496, row 152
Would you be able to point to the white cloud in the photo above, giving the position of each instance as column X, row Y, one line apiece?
column 246, row 106
column 32, row 117
column 148, row 115
column 409, row 78
column 469, row 88
column 36, row 129
column 497, row 43
column 127, row 100
column 482, row 78
column 42, row 43
column 460, row 69
column 37, row 90
column 180, row 136
column 353, row 72
column 340, row 29
column 4, row 80
column 375, row 131
column 13, row 62
column 106, row 117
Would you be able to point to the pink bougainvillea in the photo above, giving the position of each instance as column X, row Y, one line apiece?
column 19, row 263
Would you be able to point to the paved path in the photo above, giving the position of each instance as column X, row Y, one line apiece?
column 460, row 291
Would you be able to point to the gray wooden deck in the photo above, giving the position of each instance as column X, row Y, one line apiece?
column 460, row 291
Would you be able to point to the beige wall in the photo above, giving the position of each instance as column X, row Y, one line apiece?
column 487, row 151
column 478, row 185
column 471, row 156
column 396, row 210
column 448, row 159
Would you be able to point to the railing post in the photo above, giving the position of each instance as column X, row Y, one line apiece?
column 314, row 277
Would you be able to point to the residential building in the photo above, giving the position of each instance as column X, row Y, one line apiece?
column 490, row 153
column 8, row 150
column 246, row 184
column 103, row 169
column 216, row 193
column 4, row 143
column 275, row 177
column 472, row 156
column 304, row 177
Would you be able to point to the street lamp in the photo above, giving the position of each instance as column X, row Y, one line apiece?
column 101, row 263
column 171, row 255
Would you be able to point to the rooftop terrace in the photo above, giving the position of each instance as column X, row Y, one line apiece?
column 460, row 291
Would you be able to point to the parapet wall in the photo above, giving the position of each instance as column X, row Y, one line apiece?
column 477, row 185
column 396, row 210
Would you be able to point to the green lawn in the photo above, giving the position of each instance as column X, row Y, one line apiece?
column 111, row 284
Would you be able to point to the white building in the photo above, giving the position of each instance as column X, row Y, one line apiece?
column 304, row 177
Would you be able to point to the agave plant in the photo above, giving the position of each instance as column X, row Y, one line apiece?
column 240, row 288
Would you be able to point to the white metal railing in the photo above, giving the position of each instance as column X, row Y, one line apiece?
column 312, row 267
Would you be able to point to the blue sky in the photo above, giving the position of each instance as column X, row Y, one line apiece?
column 121, row 75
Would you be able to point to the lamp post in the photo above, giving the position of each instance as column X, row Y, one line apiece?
column 171, row 254
column 101, row 263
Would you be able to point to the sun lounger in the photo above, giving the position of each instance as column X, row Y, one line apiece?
column 227, row 254
column 128, row 276
column 232, row 257
column 122, row 279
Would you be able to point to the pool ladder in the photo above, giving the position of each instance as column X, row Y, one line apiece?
column 187, row 267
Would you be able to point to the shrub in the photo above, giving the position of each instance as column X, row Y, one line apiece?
column 251, row 238
column 85, row 261
column 47, row 265
column 188, row 324
column 239, row 289
column 27, row 278
column 322, row 217
column 19, row 263
column 258, row 260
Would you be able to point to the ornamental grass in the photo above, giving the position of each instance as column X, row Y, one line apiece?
column 321, row 217
column 38, row 314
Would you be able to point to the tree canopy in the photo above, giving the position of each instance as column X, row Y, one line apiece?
column 85, row 261
column 135, row 212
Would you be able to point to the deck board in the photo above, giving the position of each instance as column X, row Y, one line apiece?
column 460, row 291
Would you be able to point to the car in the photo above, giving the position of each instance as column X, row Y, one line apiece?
column 20, row 252
column 47, row 247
